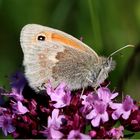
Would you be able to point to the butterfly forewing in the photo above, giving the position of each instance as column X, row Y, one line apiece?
column 50, row 54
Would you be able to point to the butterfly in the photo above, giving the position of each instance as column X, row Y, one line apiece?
column 52, row 55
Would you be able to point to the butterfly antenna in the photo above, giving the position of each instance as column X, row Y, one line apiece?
column 127, row 46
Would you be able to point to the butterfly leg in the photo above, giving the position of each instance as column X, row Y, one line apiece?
column 95, row 89
column 90, row 81
column 43, row 85
column 83, row 89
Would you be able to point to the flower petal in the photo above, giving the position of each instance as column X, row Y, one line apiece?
column 60, row 88
column 49, row 88
column 126, row 115
column 115, row 105
column 96, row 121
column 114, row 95
column 105, row 117
column 22, row 109
column 52, row 119
column 11, row 129
column 91, row 115
column 55, row 134
column 75, row 134
column 116, row 114
column 59, row 104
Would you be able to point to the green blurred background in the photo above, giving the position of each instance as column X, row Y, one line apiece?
column 105, row 25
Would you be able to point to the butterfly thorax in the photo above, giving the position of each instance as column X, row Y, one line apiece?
column 99, row 71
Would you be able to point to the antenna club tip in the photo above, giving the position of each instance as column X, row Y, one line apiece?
column 129, row 45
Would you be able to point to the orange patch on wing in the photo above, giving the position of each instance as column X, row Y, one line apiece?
column 67, row 41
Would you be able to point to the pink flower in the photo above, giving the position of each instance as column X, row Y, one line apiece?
column 66, row 116
column 33, row 107
column 52, row 133
column 54, row 124
column 105, row 94
column 89, row 99
column 75, row 134
column 16, row 95
column 98, row 113
column 61, row 95
column 56, row 119
column 93, row 133
column 2, row 109
column 123, row 109
column 6, row 124
column 116, row 133
column 18, row 108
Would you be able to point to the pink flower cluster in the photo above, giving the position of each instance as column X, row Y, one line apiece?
column 60, row 113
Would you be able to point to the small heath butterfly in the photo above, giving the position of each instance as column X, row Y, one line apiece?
column 52, row 55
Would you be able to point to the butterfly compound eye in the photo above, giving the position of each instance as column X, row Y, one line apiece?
column 41, row 38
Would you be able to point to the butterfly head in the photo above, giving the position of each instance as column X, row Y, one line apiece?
column 102, row 69
column 105, row 65
column 108, row 64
